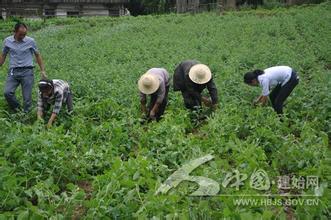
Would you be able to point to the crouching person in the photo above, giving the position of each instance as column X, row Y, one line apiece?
column 53, row 92
column 154, row 83
column 282, row 79
column 191, row 78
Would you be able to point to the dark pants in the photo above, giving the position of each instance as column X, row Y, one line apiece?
column 16, row 77
column 162, row 107
column 69, row 102
column 280, row 93
column 192, row 100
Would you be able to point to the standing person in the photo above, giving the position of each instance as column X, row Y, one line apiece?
column 21, row 49
column 155, row 82
column 53, row 92
column 191, row 78
column 282, row 78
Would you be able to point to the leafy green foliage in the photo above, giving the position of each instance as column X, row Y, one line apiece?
column 122, row 163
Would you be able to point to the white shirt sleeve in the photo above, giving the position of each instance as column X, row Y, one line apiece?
column 265, row 83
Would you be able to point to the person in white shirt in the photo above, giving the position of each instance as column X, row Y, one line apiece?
column 281, row 79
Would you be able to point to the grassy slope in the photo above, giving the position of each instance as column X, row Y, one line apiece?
column 105, row 145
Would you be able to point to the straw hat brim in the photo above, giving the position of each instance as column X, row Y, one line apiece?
column 151, row 89
column 198, row 69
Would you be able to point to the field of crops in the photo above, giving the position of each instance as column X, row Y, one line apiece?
column 102, row 162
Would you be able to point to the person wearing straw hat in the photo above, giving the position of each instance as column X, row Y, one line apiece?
column 55, row 92
column 191, row 78
column 155, row 83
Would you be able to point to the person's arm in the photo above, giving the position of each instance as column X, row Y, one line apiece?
column 39, row 59
column 143, row 107
column 40, row 115
column 41, row 65
column 265, row 93
column 51, row 120
column 2, row 58
column 143, row 102
column 5, row 51
column 161, row 92
column 178, row 78
column 56, row 109
column 206, row 101
column 154, row 111
column 211, row 86
column 261, row 100
column 40, row 108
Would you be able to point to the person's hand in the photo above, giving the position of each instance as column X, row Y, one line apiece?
column 40, row 116
column 51, row 120
column 143, row 108
column 43, row 75
column 49, row 125
column 256, row 102
column 207, row 102
column 152, row 115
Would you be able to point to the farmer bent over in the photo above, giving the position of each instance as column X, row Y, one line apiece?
column 191, row 78
column 156, row 84
column 53, row 92
column 281, row 79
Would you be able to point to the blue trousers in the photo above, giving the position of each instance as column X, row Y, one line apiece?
column 15, row 78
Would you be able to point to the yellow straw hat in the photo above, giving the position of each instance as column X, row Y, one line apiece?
column 148, row 83
column 200, row 74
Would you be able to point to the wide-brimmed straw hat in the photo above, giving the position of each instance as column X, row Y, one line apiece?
column 200, row 74
column 148, row 83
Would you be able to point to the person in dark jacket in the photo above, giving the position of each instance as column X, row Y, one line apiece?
column 191, row 78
